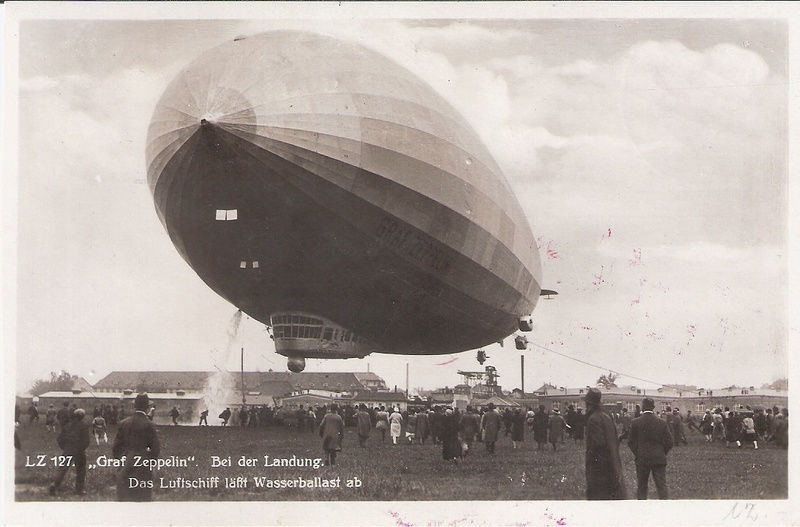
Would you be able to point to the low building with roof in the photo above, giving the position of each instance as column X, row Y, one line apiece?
column 681, row 396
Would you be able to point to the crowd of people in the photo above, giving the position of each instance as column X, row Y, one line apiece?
column 648, row 433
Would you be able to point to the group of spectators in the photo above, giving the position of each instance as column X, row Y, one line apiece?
column 744, row 426
column 136, row 438
column 649, row 434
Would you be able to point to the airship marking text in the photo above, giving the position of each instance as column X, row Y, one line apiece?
column 413, row 244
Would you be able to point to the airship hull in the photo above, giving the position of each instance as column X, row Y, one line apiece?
column 357, row 219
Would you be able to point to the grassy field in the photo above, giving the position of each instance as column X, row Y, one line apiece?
column 405, row 472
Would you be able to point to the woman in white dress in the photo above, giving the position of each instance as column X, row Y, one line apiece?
column 395, row 425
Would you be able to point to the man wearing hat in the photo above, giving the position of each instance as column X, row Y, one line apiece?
column 137, row 441
column 650, row 440
column 604, row 479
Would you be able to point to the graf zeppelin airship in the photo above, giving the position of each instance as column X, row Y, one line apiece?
column 334, row 196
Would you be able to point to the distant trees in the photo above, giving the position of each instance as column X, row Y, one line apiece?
column 59, row 382
column 780, row 384
column 607, row 381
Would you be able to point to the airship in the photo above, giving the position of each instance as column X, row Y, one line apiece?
column 331, row 194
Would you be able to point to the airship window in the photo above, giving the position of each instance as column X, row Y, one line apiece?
column 294, row 331
column 227, row 215
column 255, row 264
column 328, row 334
column 243, row 265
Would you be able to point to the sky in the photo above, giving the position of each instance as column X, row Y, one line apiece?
column 649, row 155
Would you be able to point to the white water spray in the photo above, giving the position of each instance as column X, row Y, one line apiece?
column 220, row 389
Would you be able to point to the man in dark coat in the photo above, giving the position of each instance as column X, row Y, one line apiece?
column 225, row 415
column 490, row 427
column 74, row 439
column 364, row 425
column 569, row 419
column 540, row 425
column 451, row 446
column 650, row 440
column 331, row 430
column 63, row 415
column 604, row 479
column 137, row 441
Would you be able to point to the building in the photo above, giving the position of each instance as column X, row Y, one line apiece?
column 188, row 390
column 276, row 383
column 683, row 397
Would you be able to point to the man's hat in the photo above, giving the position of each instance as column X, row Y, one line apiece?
column 593, row 396
column 491, row 406
column 142, row 402
column 648, row 404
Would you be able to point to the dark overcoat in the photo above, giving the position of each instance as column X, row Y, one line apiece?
column 540, row 423
column 490, row 424
column 136, row 440
column 604, row 479
column 331, row 430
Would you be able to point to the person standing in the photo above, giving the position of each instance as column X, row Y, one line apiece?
column 435, row 419
column 364, row 425
column 733, row 429
column 382, row 422
column 411, row 426
column 423, row 428
column 677, row 428
column 99, row 429
column 203, row 418
column 137, row 442
column 749, row 434
column 395, row 425
column 650, row 440
column 50, row 419
column 469, row 426
column 517, row 428
column 33, row 413
column 578, row 425
column 331, row 430
column 604, row 480
column 74, row 439
column 569, row 420
column 63, row 415
column 719, row 426
column 451, row 446
column 556, row 427
column 490, row 427
column 311, row 420
column 540, row 424
column 707, row 426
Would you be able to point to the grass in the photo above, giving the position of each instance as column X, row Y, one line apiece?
column 405, row 472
